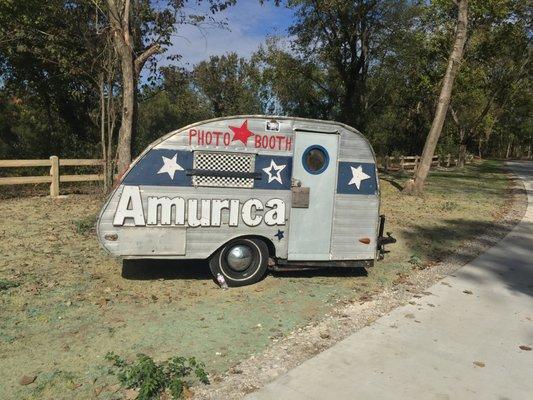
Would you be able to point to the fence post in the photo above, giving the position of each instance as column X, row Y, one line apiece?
column 401, row 163
column 386, row 164
column 54, row 173
column 417, row 161
column 448, row 160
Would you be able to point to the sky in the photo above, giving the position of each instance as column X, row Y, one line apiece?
column 248, row 25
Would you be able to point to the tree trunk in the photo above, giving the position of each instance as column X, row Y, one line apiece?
column 111, row 122
column 131, row 66
column 416, row 185
column 129, row 87
column 509, row 148
column 105, row 156
column 462, row 156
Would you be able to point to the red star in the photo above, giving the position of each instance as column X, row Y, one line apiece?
column 242, row 133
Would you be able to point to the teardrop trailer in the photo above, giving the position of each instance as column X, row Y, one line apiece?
column 249, row 192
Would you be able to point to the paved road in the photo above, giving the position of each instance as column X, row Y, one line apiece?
column 424, row 352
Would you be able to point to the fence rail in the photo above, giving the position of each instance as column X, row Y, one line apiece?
column 55, row 177
column 411, row 162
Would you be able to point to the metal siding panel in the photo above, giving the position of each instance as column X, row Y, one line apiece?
column 165, row 241
column 354, row 217
column 354, row 147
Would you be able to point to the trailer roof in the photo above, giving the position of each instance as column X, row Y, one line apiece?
column 246, row 116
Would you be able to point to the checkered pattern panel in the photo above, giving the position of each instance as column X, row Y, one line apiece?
column 215, row 161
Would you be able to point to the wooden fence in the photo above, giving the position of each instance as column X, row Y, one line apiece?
column 55, row 177
column 411, row 162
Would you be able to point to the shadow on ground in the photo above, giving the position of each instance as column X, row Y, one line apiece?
column 152, row 269
column 324, row 272
column 510, row 261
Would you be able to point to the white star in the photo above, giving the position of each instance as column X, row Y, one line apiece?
column 358, row 176
column 277, row 168
column 170, row 166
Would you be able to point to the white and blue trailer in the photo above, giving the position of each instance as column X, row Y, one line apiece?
column 249, row 192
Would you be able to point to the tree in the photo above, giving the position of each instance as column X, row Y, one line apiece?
column 335, row 49
column 140, row 30
column 496, row 67
column 415, row 185
column 170, row 104
column 293, row 87
column 231, row 85
column 49, row 58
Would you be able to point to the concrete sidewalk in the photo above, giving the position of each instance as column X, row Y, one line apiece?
column 460, row 342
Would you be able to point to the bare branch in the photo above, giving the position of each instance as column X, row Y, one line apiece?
column 454, row 116
column 145, row 55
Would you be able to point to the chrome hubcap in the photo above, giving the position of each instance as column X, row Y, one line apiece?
column 239, row 257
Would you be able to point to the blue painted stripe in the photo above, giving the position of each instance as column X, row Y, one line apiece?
column 347, row 171
column 271, row 163
column 145, row 172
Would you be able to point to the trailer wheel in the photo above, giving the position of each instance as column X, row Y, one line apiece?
column 241, row 261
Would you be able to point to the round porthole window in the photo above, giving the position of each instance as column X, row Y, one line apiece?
column 315, row 159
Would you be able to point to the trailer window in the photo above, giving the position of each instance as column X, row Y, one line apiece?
column 315, row 159
column 223, row 169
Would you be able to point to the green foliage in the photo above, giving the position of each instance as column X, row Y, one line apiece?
column 48, row 56
column 229, row 84
column 376, row 65
column 5, row 284
column 85, row 225
column 416, row 261
column 153, row 378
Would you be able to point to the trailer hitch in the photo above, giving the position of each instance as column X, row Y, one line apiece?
column 383, row 240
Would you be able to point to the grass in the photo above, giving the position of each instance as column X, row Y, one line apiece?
column 74, row 303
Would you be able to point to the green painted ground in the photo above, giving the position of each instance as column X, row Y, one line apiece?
column 73, row 303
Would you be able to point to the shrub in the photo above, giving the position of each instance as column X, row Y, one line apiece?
column 5, row 284
column 85, row 225
column 152, row 378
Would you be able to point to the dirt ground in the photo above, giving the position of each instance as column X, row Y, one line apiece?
column 65, row 303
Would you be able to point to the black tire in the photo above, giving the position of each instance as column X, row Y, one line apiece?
column 253, row 273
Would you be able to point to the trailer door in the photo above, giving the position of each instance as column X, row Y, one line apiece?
column 315, row 171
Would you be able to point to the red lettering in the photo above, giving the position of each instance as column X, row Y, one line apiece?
column 192, row 132
column 227, row 138
column 280, row 138
column 257, row 140
column 217, row 136
column 288, row 143
column 272, row 142
column 208, row 138
column 264, row 142
column 201, row 138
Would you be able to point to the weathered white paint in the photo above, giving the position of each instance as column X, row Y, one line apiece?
column 130, row 206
